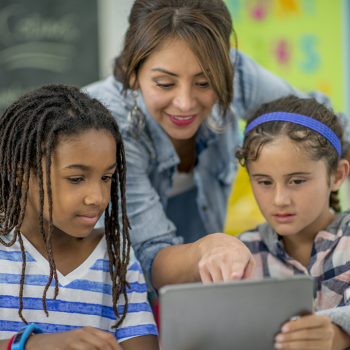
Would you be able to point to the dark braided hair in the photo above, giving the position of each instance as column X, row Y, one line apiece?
column 29, row 131
column 312, row 143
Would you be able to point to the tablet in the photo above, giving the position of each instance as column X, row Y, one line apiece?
column 242, row 315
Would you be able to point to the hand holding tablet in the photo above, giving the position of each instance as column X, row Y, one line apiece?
column 243, row 315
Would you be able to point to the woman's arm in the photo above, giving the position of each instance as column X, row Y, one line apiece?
column 215, row 257
column 257, row 85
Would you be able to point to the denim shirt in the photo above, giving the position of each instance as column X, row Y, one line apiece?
column 152, row 160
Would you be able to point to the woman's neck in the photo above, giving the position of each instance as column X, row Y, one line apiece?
column 186, row 152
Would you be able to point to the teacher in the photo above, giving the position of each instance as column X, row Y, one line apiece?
column 177, row 93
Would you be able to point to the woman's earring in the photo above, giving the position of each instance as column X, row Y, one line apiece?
column 220, row 124
column 135, row 118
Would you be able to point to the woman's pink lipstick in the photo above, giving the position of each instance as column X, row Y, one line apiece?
column 284, row 217
column 182, row 120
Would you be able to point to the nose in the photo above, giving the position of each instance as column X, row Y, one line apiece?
column 281, row 197
column 95, row 195
column 185, row 99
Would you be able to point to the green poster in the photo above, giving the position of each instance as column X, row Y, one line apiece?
column 299, row 40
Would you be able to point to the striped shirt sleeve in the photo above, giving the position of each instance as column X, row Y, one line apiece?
column 139, row 319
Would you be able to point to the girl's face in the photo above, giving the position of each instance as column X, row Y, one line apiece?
column 291, row 190
column 175, row 90
column 81, row 172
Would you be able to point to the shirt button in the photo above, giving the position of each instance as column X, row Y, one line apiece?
column 205, row 208
column 320, row 239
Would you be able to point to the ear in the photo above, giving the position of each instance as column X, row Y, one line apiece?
column 133, row 83
column 340, row 175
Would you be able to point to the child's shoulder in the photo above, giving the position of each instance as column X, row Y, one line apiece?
column 134, row 263
column 341, row 225
column 250, row 236
column 254, row 241
column 260, row 240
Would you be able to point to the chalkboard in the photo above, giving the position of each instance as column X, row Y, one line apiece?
column 46, row 41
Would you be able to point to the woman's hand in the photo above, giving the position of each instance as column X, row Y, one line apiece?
column 224, row 258
column 215, row 257
column 86, row 338
column 312, row 332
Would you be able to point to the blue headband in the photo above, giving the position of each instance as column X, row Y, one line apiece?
column 308, row 122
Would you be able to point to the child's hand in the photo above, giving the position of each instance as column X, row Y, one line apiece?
column 86, row 338
column 311, row 332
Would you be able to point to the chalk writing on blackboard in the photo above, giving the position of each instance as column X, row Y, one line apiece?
column 46, row 41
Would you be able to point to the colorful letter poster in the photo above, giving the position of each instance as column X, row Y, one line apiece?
column 304, row 42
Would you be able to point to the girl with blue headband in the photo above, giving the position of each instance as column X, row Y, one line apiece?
column 293, row 152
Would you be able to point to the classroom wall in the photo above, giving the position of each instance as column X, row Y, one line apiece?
column 304, row 41
column 46, row 41
column 113, row 22
column 58, row 41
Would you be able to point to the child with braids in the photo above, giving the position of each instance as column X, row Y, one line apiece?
column 69, row 285
column 293, row 152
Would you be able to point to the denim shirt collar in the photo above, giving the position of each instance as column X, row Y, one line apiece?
column 166, row 153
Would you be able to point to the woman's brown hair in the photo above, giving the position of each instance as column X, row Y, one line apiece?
column 311, row 142
column 204, row 25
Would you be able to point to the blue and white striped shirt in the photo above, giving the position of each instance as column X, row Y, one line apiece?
column 84, row 299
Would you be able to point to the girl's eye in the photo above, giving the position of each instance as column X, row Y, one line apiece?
column 265, row 183
column 203, row 85
column 297, row 182
column 75, row 180
column 106, row 178
column 165, row 86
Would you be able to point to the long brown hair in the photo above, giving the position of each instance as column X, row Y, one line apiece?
column 204, row 25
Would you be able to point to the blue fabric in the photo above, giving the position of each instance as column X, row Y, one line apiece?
column 299, row 119
column 84, row 298
column 188, row 222
column 152, row 160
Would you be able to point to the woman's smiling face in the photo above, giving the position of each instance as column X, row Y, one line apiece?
column 175, row 91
